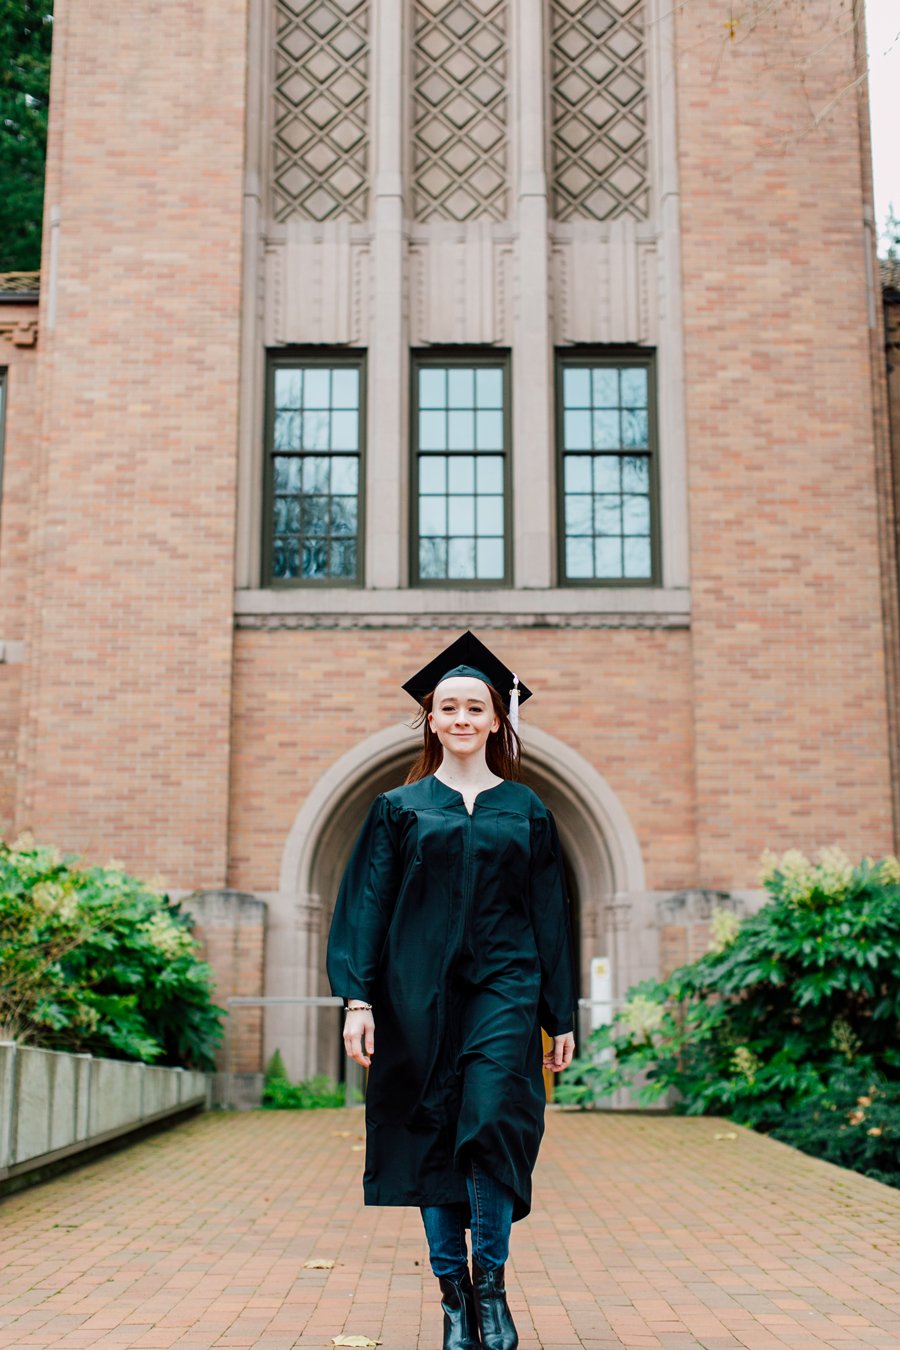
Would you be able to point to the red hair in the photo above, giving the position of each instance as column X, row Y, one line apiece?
column 503, row 752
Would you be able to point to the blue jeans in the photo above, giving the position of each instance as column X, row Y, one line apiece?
column 488, row 1213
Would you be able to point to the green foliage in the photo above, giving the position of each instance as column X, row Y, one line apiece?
column 854, row 1121
column 767, row 1025
column 275, row 1067
column 93, row 960
column 26, row 28
column 281, row 1095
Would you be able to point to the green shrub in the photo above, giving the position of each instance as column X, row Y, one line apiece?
column 281, row 1095
column 766, row 1026
column 275, row 1067
column 94, row 960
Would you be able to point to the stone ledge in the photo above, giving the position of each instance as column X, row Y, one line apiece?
column 345, row 607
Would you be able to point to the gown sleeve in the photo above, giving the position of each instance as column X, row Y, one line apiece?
column 549, row 907
column 363, row 908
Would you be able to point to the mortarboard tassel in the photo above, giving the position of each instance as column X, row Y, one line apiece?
column 514, row 704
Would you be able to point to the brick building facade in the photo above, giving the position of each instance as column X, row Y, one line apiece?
column 363, row 322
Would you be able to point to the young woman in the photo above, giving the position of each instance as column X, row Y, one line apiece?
column 451, row 937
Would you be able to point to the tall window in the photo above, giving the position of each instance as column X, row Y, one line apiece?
column 606, row 430
column 314, row 445
column 460, row 440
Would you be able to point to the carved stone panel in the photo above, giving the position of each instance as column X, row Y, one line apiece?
column 460, row 109
column 599, row 113
column 320, row 151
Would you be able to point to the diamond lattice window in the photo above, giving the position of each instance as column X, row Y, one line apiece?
column 460, row 109
column 321, row 148
column 598, row 70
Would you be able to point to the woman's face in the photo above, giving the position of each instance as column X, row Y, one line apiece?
column 462, row 716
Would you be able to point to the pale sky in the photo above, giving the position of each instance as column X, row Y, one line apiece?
column 883, row 32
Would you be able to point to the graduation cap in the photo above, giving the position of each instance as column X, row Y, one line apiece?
column 468, row 656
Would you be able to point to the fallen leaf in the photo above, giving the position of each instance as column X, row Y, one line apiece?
column 341, row 1134
column 725, row 1134
column 360, row 1341
column 318, row 1263
column 357, row 1148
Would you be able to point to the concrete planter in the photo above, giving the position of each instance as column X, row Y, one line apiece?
column 53, row 1105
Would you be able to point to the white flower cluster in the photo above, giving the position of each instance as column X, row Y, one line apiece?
column 744, row 1062
column 831, row 873
column 168, row 937
column 642, row 1016
column 724, row 926
column 52, row 898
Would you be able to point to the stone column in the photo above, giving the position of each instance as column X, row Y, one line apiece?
column 386, row 476
column 534, row 487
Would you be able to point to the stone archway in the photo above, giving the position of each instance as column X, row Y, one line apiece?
column 603, row 865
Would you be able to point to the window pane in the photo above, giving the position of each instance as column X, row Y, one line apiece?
column 577, row 433
column 489, row 515
column 606, row 430
column 636, row 473
column 432, row 558
column 489, row 554
column 579, row 558
column 287, row 474
column 287, row 431
column 490, row 475
column 637, row 557
column 608, row 554
column 314, row 515
column 489, row 388
column 578, row 473
column 460, row 388
column 606, row 473
column 576, row 387
column 433, row 515
column 279, row 515
column 461, row 474
column 606, row 387
column 343, row 515
column 461, row 515
column 344, row 474
column 461, row 558
column 343, row 557
column 432, row 431
column 489, row 430
column 608, row 515
column 634, row 429
column 634, row 387
column 578, row 515
column 344, row 431
column 315, row 430
column 316, row 387
column 345, row 389
column 461, row 431
column 315, row 559
column 432, row 388
column 636, row 515
column 315, row 473
column 432, row 473
column 288, row 388
column 292, row 523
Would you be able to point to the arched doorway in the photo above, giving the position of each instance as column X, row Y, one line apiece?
column 602, row 860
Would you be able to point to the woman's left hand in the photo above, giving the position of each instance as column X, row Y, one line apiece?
column 560, row 1057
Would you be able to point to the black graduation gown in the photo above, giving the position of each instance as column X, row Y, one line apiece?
column 455, row 927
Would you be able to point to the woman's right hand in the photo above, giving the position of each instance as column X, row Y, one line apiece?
column 359, row 1036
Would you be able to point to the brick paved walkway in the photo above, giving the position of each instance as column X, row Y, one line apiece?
column 647, row 1232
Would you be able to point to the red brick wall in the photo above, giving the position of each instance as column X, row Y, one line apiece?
column 620, row 697
column 125, row 750
column 788, row 669
column 18, row 357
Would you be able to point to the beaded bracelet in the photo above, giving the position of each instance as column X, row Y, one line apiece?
column 363, row 1007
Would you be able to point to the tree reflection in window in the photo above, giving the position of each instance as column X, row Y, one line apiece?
column 315, row 472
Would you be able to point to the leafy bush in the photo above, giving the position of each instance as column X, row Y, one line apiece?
column 853, row 1121
column 766, row 1027
column 281, row 1095
column 93, row 960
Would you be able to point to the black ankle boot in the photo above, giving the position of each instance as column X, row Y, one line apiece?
column 495, row 1324
column 458, row 1303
